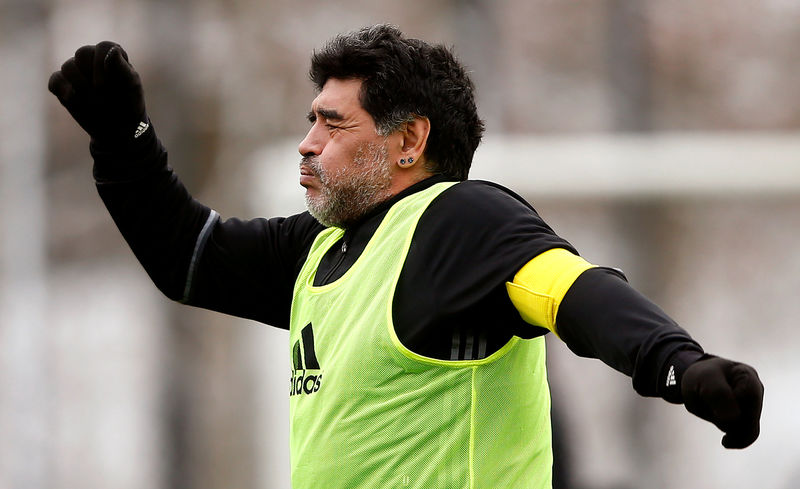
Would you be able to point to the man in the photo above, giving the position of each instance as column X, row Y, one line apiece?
column 416, row 299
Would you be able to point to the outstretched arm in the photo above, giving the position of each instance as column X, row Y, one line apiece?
column 598, row 315
column 243, row 268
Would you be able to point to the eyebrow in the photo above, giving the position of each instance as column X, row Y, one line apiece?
column 329, row 114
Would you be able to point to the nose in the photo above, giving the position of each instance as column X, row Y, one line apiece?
column 311, row 145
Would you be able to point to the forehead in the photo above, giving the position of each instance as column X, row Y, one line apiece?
column 339, row 94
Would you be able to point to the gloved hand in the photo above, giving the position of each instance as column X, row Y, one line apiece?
column 728, row 394
column 103, row 93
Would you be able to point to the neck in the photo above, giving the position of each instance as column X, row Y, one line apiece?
column 421, row 184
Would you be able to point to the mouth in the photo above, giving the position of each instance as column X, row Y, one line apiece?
column 306, row 176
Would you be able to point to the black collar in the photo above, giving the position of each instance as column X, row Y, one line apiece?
column 339, row 259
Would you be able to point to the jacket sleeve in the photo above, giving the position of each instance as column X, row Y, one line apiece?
column 603, row 317
column 242, row 268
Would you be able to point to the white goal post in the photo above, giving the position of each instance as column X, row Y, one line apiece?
column 643, row 165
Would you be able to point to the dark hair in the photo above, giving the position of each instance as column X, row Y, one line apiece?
column 403, row 78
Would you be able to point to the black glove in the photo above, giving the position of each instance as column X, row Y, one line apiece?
column 728, row 394
column 103, row 93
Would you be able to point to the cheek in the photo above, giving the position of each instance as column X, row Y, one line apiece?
column 335, row 159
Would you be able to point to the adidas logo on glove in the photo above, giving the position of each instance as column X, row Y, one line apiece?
column 141, row 129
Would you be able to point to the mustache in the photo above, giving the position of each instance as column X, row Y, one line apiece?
column 311, row 162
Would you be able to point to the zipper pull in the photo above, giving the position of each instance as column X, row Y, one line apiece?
column 344, row 247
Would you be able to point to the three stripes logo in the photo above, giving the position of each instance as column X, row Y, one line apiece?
column 671, row 376
column 306, row 373
column 141, row 129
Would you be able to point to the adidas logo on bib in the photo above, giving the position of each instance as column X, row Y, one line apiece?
column 306, row 372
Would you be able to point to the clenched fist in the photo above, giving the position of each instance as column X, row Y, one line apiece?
column 103, row 93
column 728, row 394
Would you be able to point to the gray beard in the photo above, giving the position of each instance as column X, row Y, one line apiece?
column 349, row 193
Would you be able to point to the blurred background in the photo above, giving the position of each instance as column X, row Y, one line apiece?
column 661, row 137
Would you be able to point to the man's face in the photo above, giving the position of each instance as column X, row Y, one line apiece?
column 345, row 168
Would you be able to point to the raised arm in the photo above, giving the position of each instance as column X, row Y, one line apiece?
column 243, row 268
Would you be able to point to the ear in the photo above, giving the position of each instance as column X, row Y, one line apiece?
column 415, row 138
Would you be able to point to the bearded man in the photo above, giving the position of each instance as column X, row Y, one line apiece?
column 417, row 300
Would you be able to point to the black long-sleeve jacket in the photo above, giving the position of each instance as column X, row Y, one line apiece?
column 469, row 242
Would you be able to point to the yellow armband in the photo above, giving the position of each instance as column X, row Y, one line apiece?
column 540, row 285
